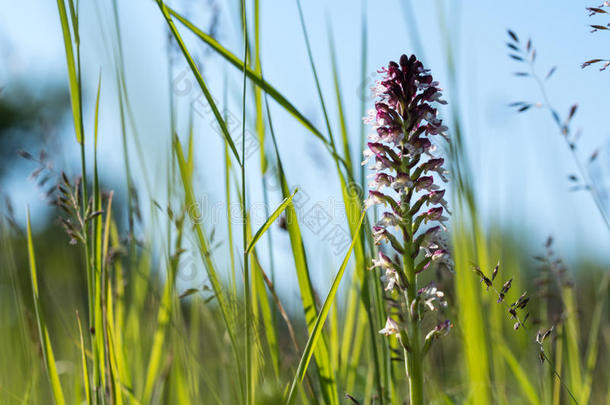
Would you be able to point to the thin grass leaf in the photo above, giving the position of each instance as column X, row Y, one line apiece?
column 520, row 374
column 45, row 341
column 278, row 211
column 255, row 77
column 258, row 98
column 86, row 385
column 593, row 341
column 163, row 319
column 469, row 304
column 572, row 328
column 344, row 137
column 204, row 88
column 321, row 319
column 308, row 299
column 72, row 75
column 115, row 352
column 97, row 109
column 204, row 250
column 259, row 293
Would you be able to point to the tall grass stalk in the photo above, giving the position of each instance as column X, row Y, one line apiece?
column 232, row 335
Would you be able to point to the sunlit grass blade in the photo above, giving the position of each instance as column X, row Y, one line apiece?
column 45, row 341
column 343, row 125
column 258, row 97
column 593, row 341
column 363, row 86
column 321, row 319
column 115, row 355
column 520, row 374
column 72, row 74
column 278, row 211
column 204, row 88
column 252, row 75
column 469, row 304
column 249, row 321
column 572, row 341
column 163, row 318
column 353, row 204
column 256, row 78
column 86, row 385
column 556, row 396
column 116, row 305
column 308, row 300
column 204, row 250
column 267, row 316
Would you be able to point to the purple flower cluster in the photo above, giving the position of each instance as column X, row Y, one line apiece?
column 406, row 170
column 405, row 180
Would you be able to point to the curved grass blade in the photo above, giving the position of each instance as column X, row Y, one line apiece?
column 593, row 344
column 248, row 288
column 72, row 76
column 321, row 319
column 351, row 200
column 204, row 88
column 252, row 75
column 257, row 78
column 344, row 137
column 163, row 319
column 520, row 375
column 204, row 250
column 308, row 298
column 45, row 341
column 278, row 211
column 97, row 109
column 84, row 361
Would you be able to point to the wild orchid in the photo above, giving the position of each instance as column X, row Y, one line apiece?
column 406, row 180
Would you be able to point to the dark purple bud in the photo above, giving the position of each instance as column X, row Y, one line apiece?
column 420, row 144
column 495, row 271
column 384, row 161
column 377, row 147
column 424, row 182
column 433, row 164
column 436, row 196
column 434, row 214
column 506, row 286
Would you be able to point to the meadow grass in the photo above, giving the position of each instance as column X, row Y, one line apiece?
column 123, row 332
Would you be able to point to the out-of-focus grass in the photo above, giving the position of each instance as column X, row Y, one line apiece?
column 144, row 341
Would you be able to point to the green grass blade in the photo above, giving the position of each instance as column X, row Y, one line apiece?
column 322, row 356
column 72, row 76
column 321, row 319
column 258, row 97
column 267, row 315
column 252, row 75
column 351, row 200
column 204, row 250
column 363, row 89
column 593, row 344
column 520, row 374
column 469, row 304
column 256, row 78
column 344, row 137
column 315, row 76
column 86, row 385
column 572, row 328
column 163, row 319
column 45, row 341
column 248, row 287
column 204, row 88
column 278, row 211
column 97, row 109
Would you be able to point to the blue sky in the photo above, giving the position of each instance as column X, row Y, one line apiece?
column 520, row 161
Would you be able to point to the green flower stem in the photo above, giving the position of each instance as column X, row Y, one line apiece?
column 413, row 353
